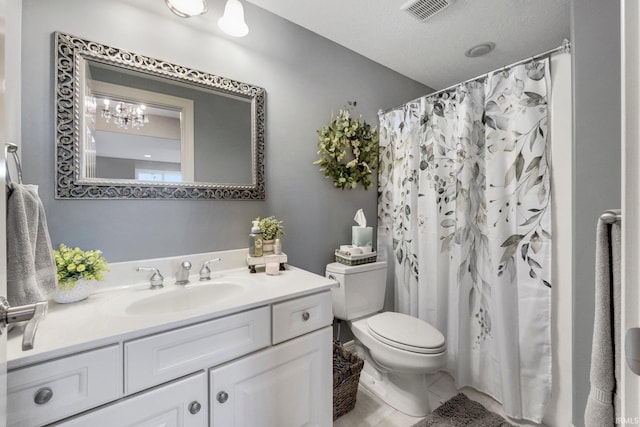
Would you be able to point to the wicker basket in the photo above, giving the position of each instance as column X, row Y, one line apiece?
column 346, row 374
column 355, row 259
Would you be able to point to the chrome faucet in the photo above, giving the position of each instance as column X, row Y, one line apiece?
column 182, row 275
column 156, row 278
column 205, row 273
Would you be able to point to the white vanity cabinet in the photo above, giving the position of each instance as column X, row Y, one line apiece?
column 267, row 366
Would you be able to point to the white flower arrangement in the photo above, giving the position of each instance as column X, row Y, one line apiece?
column 74, row 263
column 270, row 227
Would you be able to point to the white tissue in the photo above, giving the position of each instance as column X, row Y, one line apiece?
column 360, row 218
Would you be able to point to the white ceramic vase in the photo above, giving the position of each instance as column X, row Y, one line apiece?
column 267, row 247
column 79, row 292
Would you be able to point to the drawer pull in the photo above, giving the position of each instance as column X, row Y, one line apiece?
column 43, row 395
column 306, row 316
column 222, row 396
column 194, row 407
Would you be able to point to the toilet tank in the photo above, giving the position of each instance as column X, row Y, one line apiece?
column 361, row 291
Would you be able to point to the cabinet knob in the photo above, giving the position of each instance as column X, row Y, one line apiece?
column 43, row 395
column 194, row 407
column 222, row 396
column 306, row 316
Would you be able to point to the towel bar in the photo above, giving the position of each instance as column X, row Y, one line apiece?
column 11, row 148
column 610, row 216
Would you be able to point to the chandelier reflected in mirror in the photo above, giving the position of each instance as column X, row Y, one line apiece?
column 125, row 115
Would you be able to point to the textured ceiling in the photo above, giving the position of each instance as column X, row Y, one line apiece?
column 432, row 52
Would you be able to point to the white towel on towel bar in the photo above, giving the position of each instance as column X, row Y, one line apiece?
column 31, row 269
column 603, row 403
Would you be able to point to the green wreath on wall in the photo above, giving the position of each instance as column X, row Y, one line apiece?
column 348, row 150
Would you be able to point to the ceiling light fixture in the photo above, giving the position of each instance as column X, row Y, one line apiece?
column 187, row 8
column 480, row 49
column 232, row 22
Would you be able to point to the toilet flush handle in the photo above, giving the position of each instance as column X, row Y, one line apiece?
column 332, row 277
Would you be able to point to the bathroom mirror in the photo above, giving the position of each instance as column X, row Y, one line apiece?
column 133, row 127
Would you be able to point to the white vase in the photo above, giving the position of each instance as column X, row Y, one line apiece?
column 79, row 292
column 267, row 246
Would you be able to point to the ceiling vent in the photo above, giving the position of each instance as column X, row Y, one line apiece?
column 424, row 9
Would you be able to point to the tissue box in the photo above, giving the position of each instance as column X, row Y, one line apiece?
column 355, row 259
column 361, row 236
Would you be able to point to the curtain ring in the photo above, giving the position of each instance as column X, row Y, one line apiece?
column 534, row 62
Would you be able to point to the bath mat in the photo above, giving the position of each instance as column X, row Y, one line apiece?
column 460, row 411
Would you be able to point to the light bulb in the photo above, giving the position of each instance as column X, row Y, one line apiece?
column 232, row 22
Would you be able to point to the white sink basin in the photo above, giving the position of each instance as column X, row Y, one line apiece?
column 184, row 298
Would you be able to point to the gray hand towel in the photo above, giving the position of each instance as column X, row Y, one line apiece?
column 603, row 403
column 31, row 269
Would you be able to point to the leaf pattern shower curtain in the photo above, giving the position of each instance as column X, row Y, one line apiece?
column 464, row 221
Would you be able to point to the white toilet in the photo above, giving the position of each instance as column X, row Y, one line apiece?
column 400, row 351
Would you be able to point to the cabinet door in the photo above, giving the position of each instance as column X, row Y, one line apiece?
column 182, row 403
column 289, row 385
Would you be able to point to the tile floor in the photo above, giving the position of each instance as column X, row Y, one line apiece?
column 372, row 412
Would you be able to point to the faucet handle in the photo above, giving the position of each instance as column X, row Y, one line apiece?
column 156, row 278
column 205, row 272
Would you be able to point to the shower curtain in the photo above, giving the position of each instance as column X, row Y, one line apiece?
column 464, row 222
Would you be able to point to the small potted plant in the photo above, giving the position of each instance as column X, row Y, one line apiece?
column 77, row 272
column 271, row 229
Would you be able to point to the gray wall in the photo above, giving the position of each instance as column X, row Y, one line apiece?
column 597, row 151
column 306, row 78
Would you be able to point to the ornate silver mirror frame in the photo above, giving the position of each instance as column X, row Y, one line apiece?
column 70, row 53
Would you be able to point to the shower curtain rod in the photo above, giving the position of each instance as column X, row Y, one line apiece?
column 566, row 47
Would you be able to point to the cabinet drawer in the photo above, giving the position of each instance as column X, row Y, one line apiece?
column 63, row 386
column 301, row 315
column 180, row 403
column 160, row 358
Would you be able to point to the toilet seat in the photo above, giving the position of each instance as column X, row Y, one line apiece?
column 406, row 333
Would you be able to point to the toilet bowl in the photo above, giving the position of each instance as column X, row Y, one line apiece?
column 400, row 351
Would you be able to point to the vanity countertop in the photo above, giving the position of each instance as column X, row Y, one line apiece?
column 102, row 319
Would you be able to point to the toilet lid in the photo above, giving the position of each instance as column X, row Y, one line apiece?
column 406, row 333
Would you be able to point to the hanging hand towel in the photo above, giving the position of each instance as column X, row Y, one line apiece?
column 603, row 402
column 31, row 269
